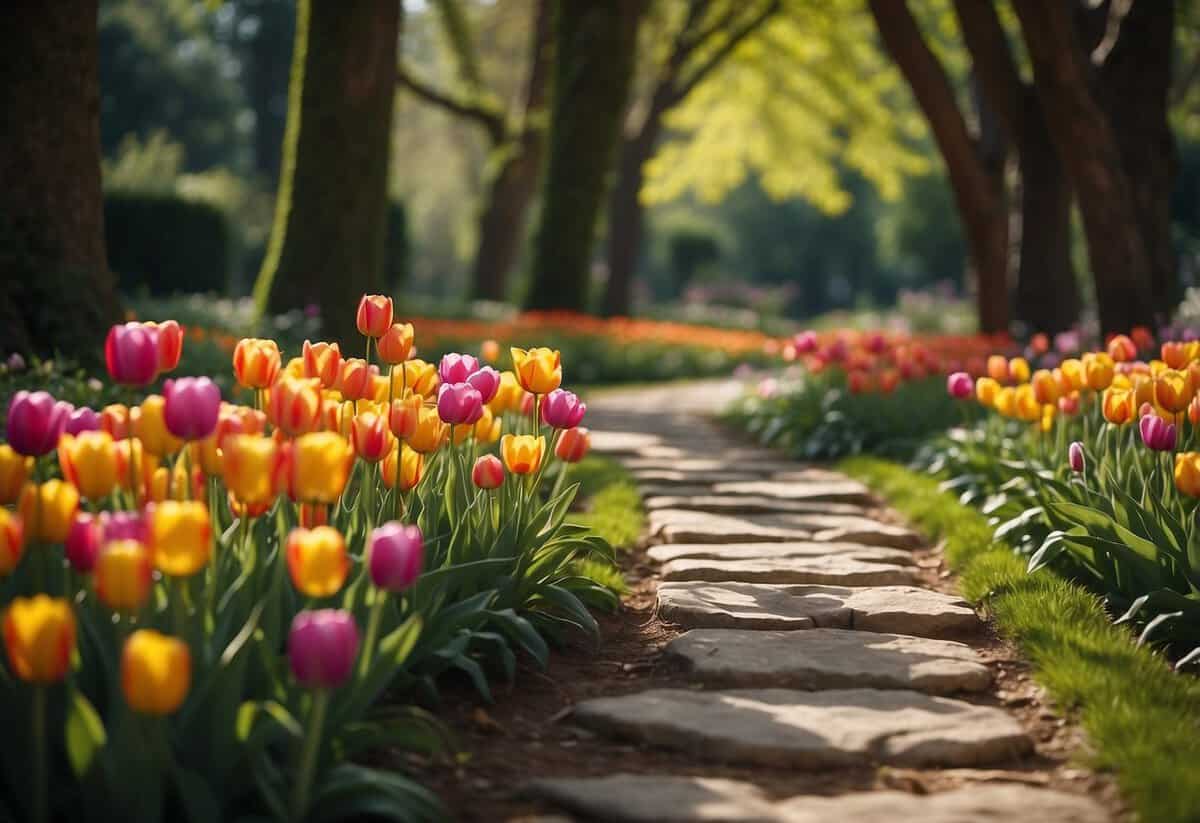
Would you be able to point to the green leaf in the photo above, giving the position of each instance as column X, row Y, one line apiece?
column 199, row 802
column 85, row 734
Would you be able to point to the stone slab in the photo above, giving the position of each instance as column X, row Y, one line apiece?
column 707, row 465
column 629, row 798
column 748, row 551
column 835, row 491
column 698, row 498
column 896, row 609
column 832, row 569
column 842, row 528
column 683, row 526
column 621, row 442
column 811, row 730
column 969, row 804
column 691, row 477
column 829, row 659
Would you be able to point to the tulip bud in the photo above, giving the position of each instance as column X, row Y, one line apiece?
column 396, row 555
column 256, row 362
column 411, row 468
column 456, row 368
column 180, row 537
column 1121, row 349
column 39, row 636
column 486, row 381
column 322, row 648
column 574, row 445
column 192, row 407
column 395, row 346
column 170, row 344
column 488, row 472
column 131, row 354
column 14, row 471
column 317, row 561
column 89, row 463
column 322, row 361
column 522, row 453
column 12, row 541
column 317, row 467
column 1076, row 458
column 156, row 672
column 123, row 575
column 35, row 422
column 82, row 420
column 489, row 350
column 538, row 370
column 562, row 409
column 83, row 542
column 374, row 315
column 959, row 385
column 48, row 510
column 354, row 381
column 459, row 403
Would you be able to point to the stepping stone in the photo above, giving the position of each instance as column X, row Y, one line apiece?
column 620, row 442
column 834, row 570
column 661, row 452
column 683, row 526
column 897, row 609
column 706, row 465
column 835, row 491
column 699, row 499
column 751, row 551
column 650, row 489
column 811, row 730
column 829, row 659
column 846, row 529
column 691, row 477
column 970, row 804
column 631, row 798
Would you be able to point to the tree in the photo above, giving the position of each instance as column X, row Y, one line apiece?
column 266, row 31
column 56, row 292
column 515, row 149
column 593, row 66
column 328, row 243
column 709, row 33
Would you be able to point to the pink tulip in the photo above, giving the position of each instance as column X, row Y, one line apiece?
column 84, row 541
column 131, row 353
column 1157, row 433
column 562, row 409
column 124, row 526
column 35, row 422
column 193, row 405
column 486, row 381
column 396, row 556
column 456, row 368
column 805, row 342
column 82, row 419
column 322, row 647
column 459, row 403
column 1075, row 457
column 488, row 472
column 960, row 386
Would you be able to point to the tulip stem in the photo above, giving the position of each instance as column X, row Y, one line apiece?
column 308, row 755
column 368, row 649
column 41, row 809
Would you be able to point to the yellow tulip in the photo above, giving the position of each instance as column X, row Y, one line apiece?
column 1028, row 408
column 430, row 432
column 168, row 484
column 1118, row 406
column 14, row 471
column 1018, row 370
column 318, row 467
column 986, row 389
column 1072, row 370
column 415, row 377
column 12, row 541
column 522, row 453
column 412, row 468
column 150, row 426
column 317, row 560
column 1006, row 401
column 39, row 636
column 123, row 575
column 156, row 672
column 1187, row 473
column 48, row 510
column 1173, row 390
column 251, row 467
column 486, row 429
column 1098, row 370
column 1045, row 388
column 180, row 537
column 508, row 395
column 538, row 370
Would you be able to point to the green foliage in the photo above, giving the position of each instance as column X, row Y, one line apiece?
column 166, row 244
column 613, row 505
column 1139, row 716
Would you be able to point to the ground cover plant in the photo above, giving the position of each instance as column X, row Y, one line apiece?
column 213, row 609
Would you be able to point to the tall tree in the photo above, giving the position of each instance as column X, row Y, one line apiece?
column 978, row 194
column 327, row 245
column 515, row 148
column 1047, row 293
column 1091, row 152
column 56, row 292
column 709, row 33
column 593, row 67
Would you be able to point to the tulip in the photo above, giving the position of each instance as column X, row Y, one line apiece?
column 1121, row 349
column 1069, row 403
column 960, row 386
column 143, row 467
column 416, row 377
column 1098, row 369
column 35, row 422
column 12, row 541
column 83, row 542
column 1193, row 414
column 39, row 636
column 14, row 471
column 114, row 419
column 170, row 344
column 371, row 436
column 1018, row 370
column 1006, row 401
column 522, row 453
column 1187, row 473
column 131, row 354
column 1046, row 389
column 986, row 390
column 508, row 394
column 48, row 510
column 562, row 409
column 574, row 445
column 295, row 405
column 256, row 362
column 1028, row 408
column 322, row 361
column 374, row 315
column 322, row 647
column 312, row 515
column 1072, row 371
column 456, row 368
column 805, row 342
column 412, row 467
column 192, row 407
column 485, row 430
column 89, row 463
column 1076, row 458
column 354, row 381
column 1157, row 434
column 1047, row 417
column 251, row 468
column 538, row 370
column 156, row 672
column 248, row 510
column 395, row 346
column 459, row 403
column 486, row 381
column 150, row 427
column 318, row 466
column 1173, row 390
column 997, row 368
column 124, row 526
column 294, row 369
column 395, row 556
column 404, row 415
column 489, row 350
column 430, row 433
column 180, row 537
column 123, row 575
column 488, row 472
column 859, row 381
column 1177, row 355
column 1118, row 406
column 82, row 420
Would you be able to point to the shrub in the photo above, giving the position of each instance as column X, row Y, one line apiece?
column 163, row 244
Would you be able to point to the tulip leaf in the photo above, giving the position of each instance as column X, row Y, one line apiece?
column 199, row 802
column 1051, row 547
column 85, row 734
column 1154, row 624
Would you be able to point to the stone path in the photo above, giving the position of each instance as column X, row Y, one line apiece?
column 811, row 644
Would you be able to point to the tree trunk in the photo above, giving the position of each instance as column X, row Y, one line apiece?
column 1135, row 82
column 56, row 292
column 1091, row 158
column 511, row 189
column 980, row 205
column 596, row 40
column 327, row 246
column 626, row 217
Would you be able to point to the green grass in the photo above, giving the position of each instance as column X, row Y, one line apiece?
column 612, row 505
column 1142, row 719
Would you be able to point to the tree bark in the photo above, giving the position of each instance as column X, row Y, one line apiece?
column 980, row 205
column 513, row 185
column 1091, row 158
column 327, row 246
column 596, row 40
column 56, row 292
column 626, row 217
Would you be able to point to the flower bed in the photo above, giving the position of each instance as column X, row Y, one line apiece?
column 205, row 602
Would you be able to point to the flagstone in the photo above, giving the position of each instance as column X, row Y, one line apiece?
column 837, row 570
column 667, row 552
column 683, row 526
column 621, row 442
column 829, row 659
column 833, row 490
column 630, row 798
column 969, row 804
column 662, row 475
column 700, row 498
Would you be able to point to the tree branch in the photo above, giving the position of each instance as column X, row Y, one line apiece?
column 678, row 92
column 491, row 120
column 992, row 59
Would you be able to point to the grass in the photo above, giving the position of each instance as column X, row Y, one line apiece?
column 1142, row 719
column 612, row 509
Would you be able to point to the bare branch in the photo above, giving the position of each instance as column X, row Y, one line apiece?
column 491, row 120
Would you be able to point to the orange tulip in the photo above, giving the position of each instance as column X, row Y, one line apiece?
column 1121, row 349
column 1187, row 473
column 522, row 453
column 396, row 344
column 354, row 381
column 986, row 389
column 156, row 672
column 1072, row 371
column 430, row 432
column 573, row 445
column 1177, row 355
column 39, row 636
column 256, row 362
column 15, row 469
column 374, row 315
column 1119, row 406
column 997, row 368
column 1046, row 390
column 412, row 468
column 317, row 560
column 322, row 361
column 114, row 419
column 123, row 575
column 371, row 436
column 252, row 468
column 47, row 510
column 404, row 415
column 1098, row 370
column 489, row 350
column 1173, row 390
column 12, row 541
column 295, row 405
